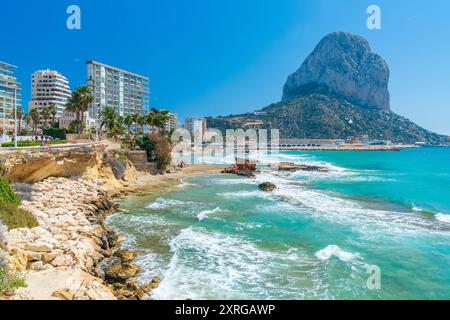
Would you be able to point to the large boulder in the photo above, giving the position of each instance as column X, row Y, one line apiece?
column 342, row 63
column 267, row 187
column 119, row 272
column 125, row 255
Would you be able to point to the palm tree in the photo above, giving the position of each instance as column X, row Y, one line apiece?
column 135, row 117
column 142, row 120
column 20, row 114
column 45, row 114
column 53, row 111
column 85, row 98
column 112, row 121
column 157, row 119
column 35, row 117
column 128, row 121
column 108, row 117
column 150, row 118
column 27, row 119
column 161, row 119
column 78, row 103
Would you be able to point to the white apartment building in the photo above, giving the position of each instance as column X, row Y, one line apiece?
column 172, row 122
column 49, row 87
column 190, row 124
column 68, row 117
column 126, row 91
column 10, row 96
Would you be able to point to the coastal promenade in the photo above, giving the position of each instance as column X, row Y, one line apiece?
column 53, row 148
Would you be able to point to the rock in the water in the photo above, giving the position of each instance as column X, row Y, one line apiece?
column 125, row 255
column 343, row 63
column 267, row 186
column 121, row 272
column 290, row 166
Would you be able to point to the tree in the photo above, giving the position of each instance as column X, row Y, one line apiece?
column 112, row 121
column 78, row 103
column 157, row 119
column 108, row 117
column 150, row 118
column 35, row 118
column 141, row 120
column 128, row 121
column 157, row 148
column 53, row 112
column 161, row 119
column 20, row 114
column 46, row 115
column 27, row 119
column 135, row 117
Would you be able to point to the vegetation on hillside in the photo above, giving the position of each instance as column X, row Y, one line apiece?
column 10, row 281
column 320, row 116
column 158, row 149
column 12, row 217
column 10, row 213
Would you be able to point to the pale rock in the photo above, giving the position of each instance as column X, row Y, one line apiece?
column 59, row 261
column 33, row 256
column 343, row 64
column 39, row 247
column 36, row 266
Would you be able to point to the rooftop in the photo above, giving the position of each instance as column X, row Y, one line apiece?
column 116, row 69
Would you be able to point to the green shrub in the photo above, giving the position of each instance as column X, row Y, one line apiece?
column 14, row 217
column 28, row 143
column 31, row 143
column 56, row 133
column 7, row 193
column 10, row 213
column 157, row 148
column 56, row 142
column 9, row 280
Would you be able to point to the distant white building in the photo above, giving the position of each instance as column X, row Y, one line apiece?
column 67, row 118
column 49, row 87
column 172, row 122
column 190, row 124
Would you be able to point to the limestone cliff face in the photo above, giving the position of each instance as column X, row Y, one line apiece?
column 342, row 63
column 90, row 164
column 36, row 167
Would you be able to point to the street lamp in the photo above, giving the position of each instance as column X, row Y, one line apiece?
column 15, row 118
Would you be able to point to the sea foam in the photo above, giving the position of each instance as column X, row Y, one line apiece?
column 202, row 215
column 442, row 217
column 335, row 251
column 162, row 203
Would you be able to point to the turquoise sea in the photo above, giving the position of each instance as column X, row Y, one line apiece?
column 316, row 237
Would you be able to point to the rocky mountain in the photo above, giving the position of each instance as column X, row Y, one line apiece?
column 322, row 116
column 343, row 63
column 340, row 91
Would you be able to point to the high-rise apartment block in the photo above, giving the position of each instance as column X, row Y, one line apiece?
column 126, row 91
column 49, row 88
column 10, row 97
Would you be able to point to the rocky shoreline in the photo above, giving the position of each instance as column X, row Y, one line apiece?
column 72, row 242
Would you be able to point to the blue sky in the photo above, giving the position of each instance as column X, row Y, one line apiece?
column 211, row 57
